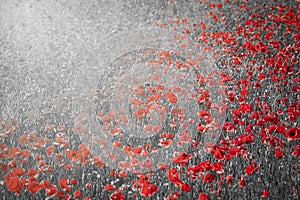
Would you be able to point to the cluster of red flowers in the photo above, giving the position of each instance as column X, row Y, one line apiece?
column 259, row 77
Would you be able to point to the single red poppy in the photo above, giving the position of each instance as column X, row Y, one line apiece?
column 242, row 182
column 63, row 183
column 250, row 169
column 23, row 139
column 124, row 164
column 14, row 152
column 136, row 102
column 181, row 157
column 49, row 150
column 172, row 97
column 265, row 193
column 203, row 114
column 209, row 178
column 246, row 108
column 78, row 194
column 165, row 142
column 32, row 172
column 293, row 133
column 203, row 196
column 279, row 153
column 45, row 184
column 88, row 185
column 116, row 131
column 98, row 161
column 61, row 194
column 229, row 179
column 296, row 150
column 109, row 187
column 186, row 187
column 14, row 184
column 33, row 187
column 17, row 172
column 116, row 144
column 123, row 173
column 74, row 181
column 219, row 154
column 117, row 196
column 52, row 190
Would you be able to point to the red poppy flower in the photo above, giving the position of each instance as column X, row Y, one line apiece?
column 63, row 183
column 269, row 35
column 244, row 91
column 165, row 142
column 241, row 100
column 203, row 114
column 98, row 161
column 116, row 131
column 242, row 182
column 219, row 154
column 32, row 172
column 109, row 187
column 250, row 169
column 26, row 153
column 17, row 172
column 203, row 98
column 201, row 128
column 148, row 189
column 203, row 196
column 257, row 85
column 243, row 139
column 148, row 127
column 153, row 189
column 117, row 196
column 237, row 113
column 136, row 102
column 33, row 187
column 123, row 173
column 52, row 190
column 74, row 182
column 68, row 166
column 209, row 178
column 246, row 108
column 229, row 127
column 14, row 184
column 23, row 139
column 163, row 166
column 196, row 144
column 265, row 193
column 229, row 179
column 45, row 184
column 261, row 76
column 181, row 158
column 279, row 153
column 14, row 152
column 88, row 185
column 186, row 187
column 172, row 97
column 219, row 167
column 60, row 194
column 124, row 164
column 116, row 144
column 78, row 194
column 174, row 176
column 296, row 150
column 49, row 150
column 200, row 167
column 293, row 133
